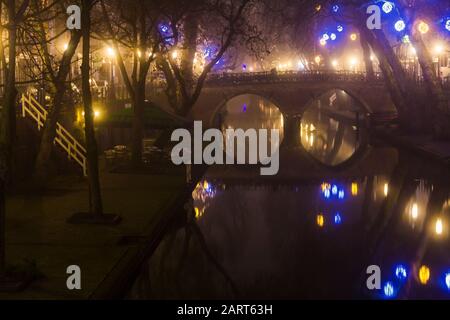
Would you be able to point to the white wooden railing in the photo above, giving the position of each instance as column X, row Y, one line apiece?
column 74, row 150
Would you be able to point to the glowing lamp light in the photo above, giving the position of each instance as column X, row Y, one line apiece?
column 354, row 189
column 447, row 280
column 323, row 42
column 388, row 290
column 318, row 7
column 110, row 52
column 164, row 28
column 386, row 189
column 175, row 54
column 438, row 49
column 424, row 275
column 388, row 7
column 325, row 36
column 334, row 63
column 400, row 272
column 327, row 194
column 333, row 36
column 400, row 25
column 439, row 226
column 414, row 211
column 423, row 27
column 353, row 36
column 341, row 194
column 337, row 218
column 317, row 59
column 341, row 28
column 324, row 185
column 320, row 220
column 197, row 212
column 96, row 114
column 65, row 46
column 334, row 189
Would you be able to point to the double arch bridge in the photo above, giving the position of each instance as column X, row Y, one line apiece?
column 294, row 92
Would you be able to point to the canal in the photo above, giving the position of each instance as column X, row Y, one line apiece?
column 342, row 201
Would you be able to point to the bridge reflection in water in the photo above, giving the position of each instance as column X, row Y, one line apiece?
column 330, row 128
column 312, row 231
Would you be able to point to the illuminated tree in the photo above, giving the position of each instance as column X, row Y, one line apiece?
column 132, row 29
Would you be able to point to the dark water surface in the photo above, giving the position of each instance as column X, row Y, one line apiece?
column 342, row 201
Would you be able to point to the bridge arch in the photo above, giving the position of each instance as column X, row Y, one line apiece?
column 213, row 119
column 318, row 95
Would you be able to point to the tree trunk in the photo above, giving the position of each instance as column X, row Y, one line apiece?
column 96, row 206
column 189, row 49
column 370, row 74
column 395, row 80
column 440, row 114
column 7, row 127
column 138, row 123
column 41, row 170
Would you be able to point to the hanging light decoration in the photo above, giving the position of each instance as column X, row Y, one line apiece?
column 423, row 27
column 424, row 275
column 341, row 28
column 400, row 25
column 388, row 7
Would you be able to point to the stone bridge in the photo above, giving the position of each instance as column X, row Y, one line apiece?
column 292, row 92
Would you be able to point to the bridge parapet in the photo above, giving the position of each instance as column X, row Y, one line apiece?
column 290, row 76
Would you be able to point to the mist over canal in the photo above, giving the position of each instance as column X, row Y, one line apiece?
column 342, row 201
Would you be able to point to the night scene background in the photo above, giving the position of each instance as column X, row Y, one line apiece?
column 93, row 207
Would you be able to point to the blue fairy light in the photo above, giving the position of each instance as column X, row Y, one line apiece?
column 326, row 193
column 337, row 218
column 341, row 194
column 334, row 190
column 335, row 8
column 340, row 28
column 325, row 36
column 400, row 272
column 333, row 36
column 388, row 290
column 447, row 24
column 447, row 280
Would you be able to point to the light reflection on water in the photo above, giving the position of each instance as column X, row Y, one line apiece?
column 251, row 112
column 314, row 234
column 330, row 129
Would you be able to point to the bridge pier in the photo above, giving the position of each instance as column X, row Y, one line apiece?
column 291, row 131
